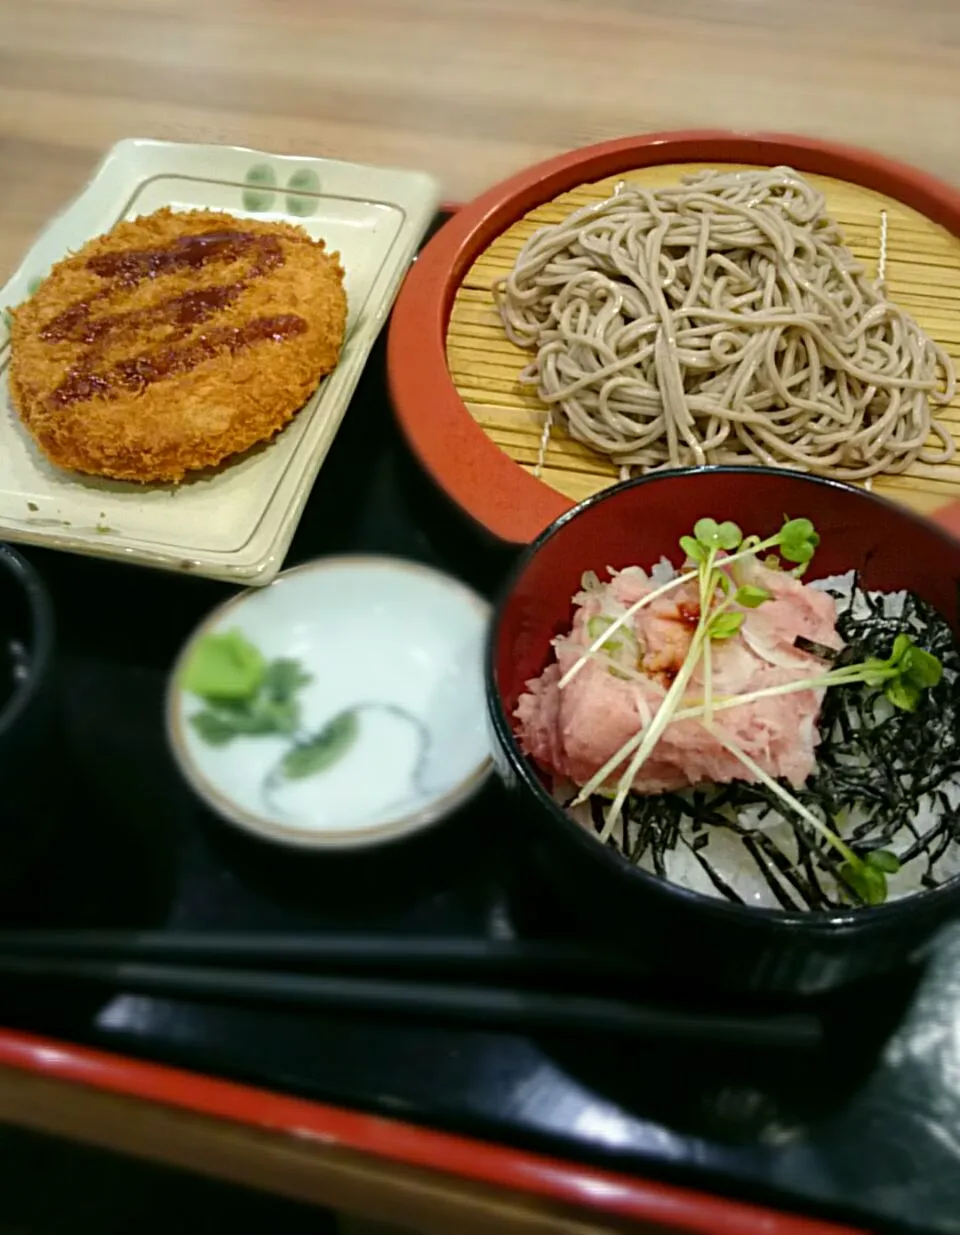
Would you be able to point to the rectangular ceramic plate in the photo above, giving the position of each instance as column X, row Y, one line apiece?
column 235, row 523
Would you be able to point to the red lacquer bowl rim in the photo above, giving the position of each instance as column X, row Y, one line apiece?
column 662, row 1206
column 481, row 478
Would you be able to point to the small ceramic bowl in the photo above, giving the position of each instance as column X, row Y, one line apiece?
column 386, row 734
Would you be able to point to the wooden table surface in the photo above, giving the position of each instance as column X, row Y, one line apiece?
column 469, row 90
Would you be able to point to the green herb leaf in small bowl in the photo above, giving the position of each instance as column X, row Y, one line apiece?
column 213, row 727
column 283, row 678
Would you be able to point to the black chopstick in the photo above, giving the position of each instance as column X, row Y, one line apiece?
column 499, row 1008
column 464, row 957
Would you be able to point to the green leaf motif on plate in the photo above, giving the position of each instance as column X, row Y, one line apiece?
column 261, row 190
column 304, row 180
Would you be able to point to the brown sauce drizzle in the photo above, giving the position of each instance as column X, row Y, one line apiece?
column 190, row 309
column 129, row 268
column 132, row 266
column 142, row 371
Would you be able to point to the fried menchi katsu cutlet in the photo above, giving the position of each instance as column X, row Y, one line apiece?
column 175, row 341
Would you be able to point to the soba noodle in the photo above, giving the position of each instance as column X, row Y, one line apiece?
column 721, row 321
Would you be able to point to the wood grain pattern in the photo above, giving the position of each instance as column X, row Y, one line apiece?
column 922, row 275
column 469, row 91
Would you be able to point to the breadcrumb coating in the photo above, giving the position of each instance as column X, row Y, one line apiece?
column 175, row 341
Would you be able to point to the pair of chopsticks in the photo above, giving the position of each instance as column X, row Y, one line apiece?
column 480, row 983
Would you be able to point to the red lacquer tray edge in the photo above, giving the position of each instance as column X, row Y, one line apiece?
column 481, row 478
column 661, row 1205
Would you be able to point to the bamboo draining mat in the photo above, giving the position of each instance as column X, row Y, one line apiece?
column 922, row 275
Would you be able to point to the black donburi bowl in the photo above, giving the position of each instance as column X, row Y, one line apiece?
column 711, row 940
column 30, row 757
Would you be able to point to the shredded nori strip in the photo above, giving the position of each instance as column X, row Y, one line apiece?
column 820, row 650
column 873, row 761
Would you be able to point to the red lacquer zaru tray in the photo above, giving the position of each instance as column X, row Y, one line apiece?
column 453, row 375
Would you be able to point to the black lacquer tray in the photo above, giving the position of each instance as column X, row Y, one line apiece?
column 868, row 1130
